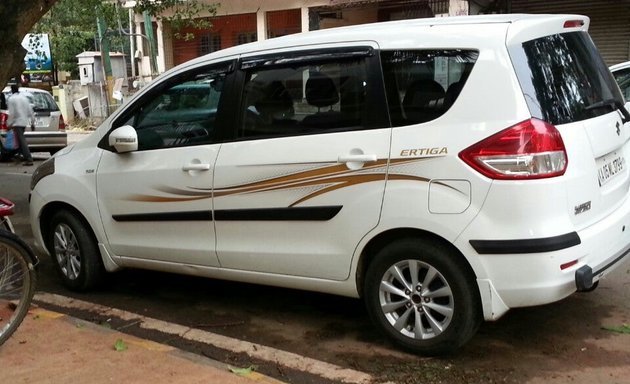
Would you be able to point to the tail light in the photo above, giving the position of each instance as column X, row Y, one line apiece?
column 532, row 149
column 3, row 121
column 62, row 123
column 573, row 23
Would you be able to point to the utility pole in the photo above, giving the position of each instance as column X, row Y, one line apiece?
column 107, row 64
column 148, row 31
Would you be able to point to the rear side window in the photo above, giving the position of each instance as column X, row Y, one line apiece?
column 314, row 94
column 422, row 85
column 564, row 79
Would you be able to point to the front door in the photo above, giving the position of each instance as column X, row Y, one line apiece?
column 156, row 202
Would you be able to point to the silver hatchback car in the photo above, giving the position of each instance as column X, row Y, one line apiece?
column 48, row 131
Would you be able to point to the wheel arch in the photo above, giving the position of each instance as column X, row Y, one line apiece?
column 49, row 211
column 381, row 240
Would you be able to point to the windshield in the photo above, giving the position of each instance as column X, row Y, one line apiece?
column 564, row 79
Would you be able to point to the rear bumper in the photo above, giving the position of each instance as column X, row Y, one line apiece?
column 585, row 276
column 528, row 272
column 46, row 141
column 548, row 244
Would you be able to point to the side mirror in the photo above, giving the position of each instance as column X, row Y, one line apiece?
column 124, row 139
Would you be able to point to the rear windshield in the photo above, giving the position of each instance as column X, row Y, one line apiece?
column 43, row 102
column 564, row 79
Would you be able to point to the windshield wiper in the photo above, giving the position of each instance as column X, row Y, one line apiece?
column 613, row 104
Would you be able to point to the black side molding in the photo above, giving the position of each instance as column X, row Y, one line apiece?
column 321, row 213
column 615, row 261
column 547, row 244
column 166, row 216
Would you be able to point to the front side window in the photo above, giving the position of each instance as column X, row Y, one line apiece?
column 304, row 98
column 179, row 113
column 564, row 79
column 422, row 85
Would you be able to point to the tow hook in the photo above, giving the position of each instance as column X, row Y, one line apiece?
column 584, row 279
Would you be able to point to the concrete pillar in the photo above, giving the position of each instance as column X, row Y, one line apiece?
column 305, row 19
column 261, row 24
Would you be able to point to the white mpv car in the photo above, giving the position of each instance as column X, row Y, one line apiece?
column 445, row 170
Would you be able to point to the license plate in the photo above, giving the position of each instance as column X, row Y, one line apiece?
column 39, row 122
column 610, row 166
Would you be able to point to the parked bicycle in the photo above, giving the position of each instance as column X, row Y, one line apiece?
column 17, row 274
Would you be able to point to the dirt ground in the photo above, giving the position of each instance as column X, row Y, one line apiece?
column 583, row 339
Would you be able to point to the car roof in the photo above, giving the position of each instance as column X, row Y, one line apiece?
column 619, row 66
column 386, row 31
column 26, row 89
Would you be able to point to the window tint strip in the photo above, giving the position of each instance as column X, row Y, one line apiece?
column 306, row 56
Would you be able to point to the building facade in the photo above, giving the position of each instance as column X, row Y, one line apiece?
column 243, row 21
column 610, row 21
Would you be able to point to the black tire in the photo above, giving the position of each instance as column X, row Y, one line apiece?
column 18, row 279
column 74, row 252
column 447, row 305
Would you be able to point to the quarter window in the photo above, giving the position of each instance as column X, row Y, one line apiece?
column 422, row 85
column 180, row 113
column 304, row 98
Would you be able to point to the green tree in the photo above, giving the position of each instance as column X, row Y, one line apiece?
column 18, row 17
column 71, row 25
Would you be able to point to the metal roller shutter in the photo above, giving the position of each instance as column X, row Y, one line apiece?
column 610, row 22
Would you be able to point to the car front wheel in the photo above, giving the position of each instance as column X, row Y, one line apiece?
column 421, row 296
column 74, row 252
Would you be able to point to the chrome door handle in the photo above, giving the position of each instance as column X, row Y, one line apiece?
column 196, row 167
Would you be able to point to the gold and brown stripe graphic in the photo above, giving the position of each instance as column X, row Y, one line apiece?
column 324, row 179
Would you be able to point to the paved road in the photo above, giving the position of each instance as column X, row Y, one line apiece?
column 571, row 341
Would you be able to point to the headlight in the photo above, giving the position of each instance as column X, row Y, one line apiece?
column 46, row 168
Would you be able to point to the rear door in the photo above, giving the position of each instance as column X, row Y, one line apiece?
column 303, row 179
column 566, row 83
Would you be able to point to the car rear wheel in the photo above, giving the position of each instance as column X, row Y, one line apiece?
column 74, row 252
column 420, row 295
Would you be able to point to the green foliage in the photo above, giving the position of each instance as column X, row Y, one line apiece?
column 243, row 371
column 179, row 14
column 120, row 345
column 72, row 27
column 625, row 328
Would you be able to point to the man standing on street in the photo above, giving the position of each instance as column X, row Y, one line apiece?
column 20, row 117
